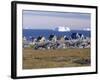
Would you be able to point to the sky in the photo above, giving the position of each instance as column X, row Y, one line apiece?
column 51, row 20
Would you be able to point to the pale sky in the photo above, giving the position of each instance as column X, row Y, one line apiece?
column 51, row 20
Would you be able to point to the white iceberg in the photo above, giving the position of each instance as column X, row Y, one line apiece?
column 63, row 29
column 87, row 29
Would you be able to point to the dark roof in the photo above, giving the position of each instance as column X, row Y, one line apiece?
column 80, row 35
column 74, row 36
column 66, row 38
column 39, row 38
column 51, row 36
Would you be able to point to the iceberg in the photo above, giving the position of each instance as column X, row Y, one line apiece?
column 87, row 29
column 62, row 29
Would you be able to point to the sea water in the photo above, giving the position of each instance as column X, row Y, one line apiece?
column 46, row 33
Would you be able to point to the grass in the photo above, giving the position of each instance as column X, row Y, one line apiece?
column 34, row 59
